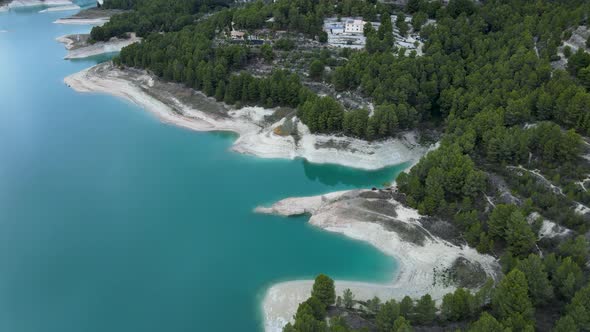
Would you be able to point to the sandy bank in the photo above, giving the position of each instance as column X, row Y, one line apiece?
column 255, row 125
column 427, row 263
column 78, row 46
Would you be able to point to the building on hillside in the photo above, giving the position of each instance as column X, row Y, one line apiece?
column 237, row 35
column 354, row 26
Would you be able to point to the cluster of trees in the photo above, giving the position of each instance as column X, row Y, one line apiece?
column 488, row 75
column 546, row 141
column 535, row 282
column 468, row 70
column 578, row 64
column 382, row 39
column 322, row 114
column 555, row 276
column 189, row 57
column 386, row 121
column 446, row 183
column 423, row 7
column 577, row 315
column 564, row 101
column 507, row 223
column 443, row 182
column 395, row 316
column 389, row 317
column 302, row 16
column 388, row 79
column 401, row 24
column 311, row 314
column 510, row 304
column 146, row 16
column 545, row 200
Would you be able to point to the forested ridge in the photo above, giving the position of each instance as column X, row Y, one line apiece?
column 145, row 17
column 514, row 142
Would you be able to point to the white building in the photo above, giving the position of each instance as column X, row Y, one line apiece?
column 354, row 26
column 237, row 35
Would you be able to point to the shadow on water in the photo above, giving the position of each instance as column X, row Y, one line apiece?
column 334, row 174
column 100, row 58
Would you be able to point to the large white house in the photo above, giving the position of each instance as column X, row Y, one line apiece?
column 354, row 26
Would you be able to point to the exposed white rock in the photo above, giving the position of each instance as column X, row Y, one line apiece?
column 582, row 183
column 256, row 137
column 331, row 149
column 549, row 229
column 579, row 208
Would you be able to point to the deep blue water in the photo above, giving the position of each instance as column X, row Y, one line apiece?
column 113, row 221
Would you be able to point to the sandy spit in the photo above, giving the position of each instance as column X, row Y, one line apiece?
column 113, row 45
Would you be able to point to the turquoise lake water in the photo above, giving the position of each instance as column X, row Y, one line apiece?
column 113, row 221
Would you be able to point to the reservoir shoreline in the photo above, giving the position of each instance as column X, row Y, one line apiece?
column 421, row 263
column 335, row 212
column 141, row 209
column 256, row 126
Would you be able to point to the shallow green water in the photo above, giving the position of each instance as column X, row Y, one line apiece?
column 112, row 221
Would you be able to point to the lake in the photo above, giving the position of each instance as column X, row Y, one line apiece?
column 113, row 221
